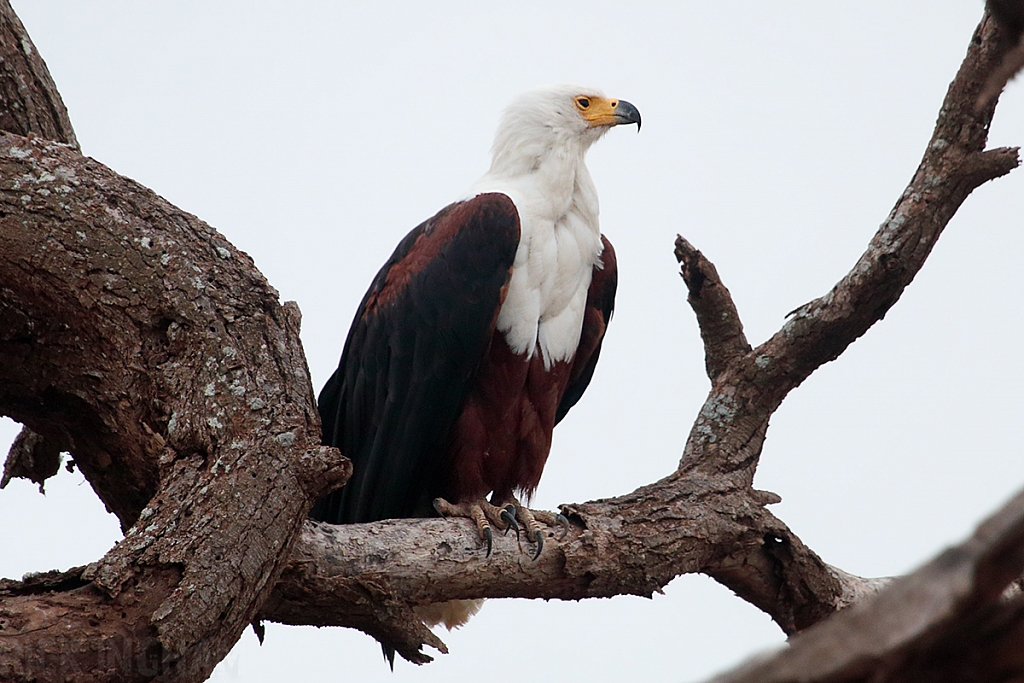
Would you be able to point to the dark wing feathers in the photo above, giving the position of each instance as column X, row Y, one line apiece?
column 600, row 304
column 414, row 347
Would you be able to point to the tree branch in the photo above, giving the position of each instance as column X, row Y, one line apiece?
column 635, row 545
column 29, row 101
column 719, row 321
column 954, row 164
column 142, row 335
column 728, row 435
column 33, row 457
column 726, row 440
column 944, row 622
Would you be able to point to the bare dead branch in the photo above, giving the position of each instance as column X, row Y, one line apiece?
column 944, row 622
column 33, row 457
column 29, row 101
column 728, row 435
column 954, row 164
column 635, row 544
column 720, row 325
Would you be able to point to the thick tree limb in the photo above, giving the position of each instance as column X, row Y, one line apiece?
column 632, row 545
column 945, row 622
column 162, row 355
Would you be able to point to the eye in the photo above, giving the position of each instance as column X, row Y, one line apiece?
column 582, row 102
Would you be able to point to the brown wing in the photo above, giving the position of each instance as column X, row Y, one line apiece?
column 410, row 357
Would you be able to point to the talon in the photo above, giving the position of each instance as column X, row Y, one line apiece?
column 482, row 514
column 509, row 517
column 539, row 540
column 563, row 522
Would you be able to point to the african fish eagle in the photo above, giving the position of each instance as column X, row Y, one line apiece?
column 481, row 331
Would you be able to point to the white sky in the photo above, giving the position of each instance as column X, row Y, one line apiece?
column 776, row 138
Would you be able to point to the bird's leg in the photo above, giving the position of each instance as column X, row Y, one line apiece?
column 531, row 519
column 482, row 513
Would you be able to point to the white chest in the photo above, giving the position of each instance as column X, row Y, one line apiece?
column 559, row 244
column 543, row 310
column 560, row 241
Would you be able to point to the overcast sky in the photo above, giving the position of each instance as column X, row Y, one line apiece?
column 776, row 137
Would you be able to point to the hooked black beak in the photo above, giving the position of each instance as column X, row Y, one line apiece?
column 625, row 112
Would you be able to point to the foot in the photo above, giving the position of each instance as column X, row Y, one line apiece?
column 511, row 515
column 483, row 514
column 532, row 519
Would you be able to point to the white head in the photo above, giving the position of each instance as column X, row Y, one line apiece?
column 558, row 120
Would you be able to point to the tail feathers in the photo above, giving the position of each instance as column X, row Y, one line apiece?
column 453, row 613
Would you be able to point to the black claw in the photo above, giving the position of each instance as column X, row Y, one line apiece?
column 563, row 522
column 489, row 537
column 538, row 538
column 509, row 517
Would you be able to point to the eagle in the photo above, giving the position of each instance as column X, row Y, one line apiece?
column 480, row 332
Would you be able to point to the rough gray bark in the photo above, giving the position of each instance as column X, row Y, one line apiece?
column 33, row 457
column 136, row 337
column 139, row 336
column 948, row 621
column 29, row 101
